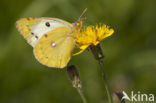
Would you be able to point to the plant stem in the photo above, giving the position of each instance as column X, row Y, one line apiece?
column 81, row 95
column 98, row 54
column 105, row 81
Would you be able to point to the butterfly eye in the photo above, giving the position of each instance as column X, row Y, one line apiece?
column 47, row 24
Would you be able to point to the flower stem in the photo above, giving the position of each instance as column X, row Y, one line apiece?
column 98, row 54
column 105, row 81
column 81, row 95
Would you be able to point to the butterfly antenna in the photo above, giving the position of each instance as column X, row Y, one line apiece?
column 84, row 11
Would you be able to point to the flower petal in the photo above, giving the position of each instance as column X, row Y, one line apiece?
column 109, row 33
column 82, row 49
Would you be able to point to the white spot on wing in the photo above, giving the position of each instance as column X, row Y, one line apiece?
column 53, row 44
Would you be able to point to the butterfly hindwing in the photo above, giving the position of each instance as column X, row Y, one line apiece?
column 55, row 48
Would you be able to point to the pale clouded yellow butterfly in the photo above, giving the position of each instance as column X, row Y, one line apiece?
column 52, row 39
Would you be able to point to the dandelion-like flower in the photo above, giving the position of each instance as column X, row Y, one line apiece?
column 92, row 35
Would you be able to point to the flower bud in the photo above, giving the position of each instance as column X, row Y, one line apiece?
column 74, row 76
column 117, row 97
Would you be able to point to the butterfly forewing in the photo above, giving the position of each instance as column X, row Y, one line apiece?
column 33, row 29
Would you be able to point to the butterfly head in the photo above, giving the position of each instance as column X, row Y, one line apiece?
column 77, row 25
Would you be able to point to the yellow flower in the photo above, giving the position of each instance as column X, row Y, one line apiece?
column 92, row 35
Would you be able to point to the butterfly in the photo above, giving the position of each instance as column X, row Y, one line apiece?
column 52, row 39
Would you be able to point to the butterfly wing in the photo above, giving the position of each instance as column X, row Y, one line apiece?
column 55, row 48
column 33, row 29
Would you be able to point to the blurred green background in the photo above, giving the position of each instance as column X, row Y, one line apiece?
column 130, row 54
